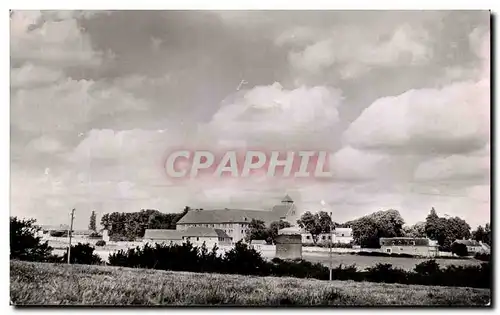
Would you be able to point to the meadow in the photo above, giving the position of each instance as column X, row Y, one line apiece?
column 60, row 284
column 363, row 262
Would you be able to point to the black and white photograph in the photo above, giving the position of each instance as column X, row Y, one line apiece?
column 261, row 158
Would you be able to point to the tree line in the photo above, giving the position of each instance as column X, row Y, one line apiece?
column 131, row 225
column 368, row 229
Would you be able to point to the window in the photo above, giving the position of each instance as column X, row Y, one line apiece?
column 212, row 225
column 329, row 237
column 388, row 250
column 197, row 238
column 308, row 237
column 241, row 231
column 323, row 237
column 342, row 234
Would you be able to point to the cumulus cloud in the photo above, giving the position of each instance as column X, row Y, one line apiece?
column 454, row 167
column 38, row 38
column 359, row 52
column 454, row 118
column 277, row 112
column 29, row 75
column 67, row 104
column 405, row 146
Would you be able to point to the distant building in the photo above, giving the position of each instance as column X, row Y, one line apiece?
column 234, row 222
column 289, row 243
column 196, row 236
column 409, row 245
column 473, row 246
column 199, row 235
column 153, row 236
column 339, row 235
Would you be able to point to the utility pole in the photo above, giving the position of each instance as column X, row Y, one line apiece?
column 70, row 232
column 331, row 248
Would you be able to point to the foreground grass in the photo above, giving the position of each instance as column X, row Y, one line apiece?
column 51, row 284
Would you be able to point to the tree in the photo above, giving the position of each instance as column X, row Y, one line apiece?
column 24, row 244
column 459, row 249
column 82, row 254
column 257, row 230
column 315, row 224
column 431, row 225
column 133, row 224
column 365, row 232
column 92, row 223
column 446, row 230
column 368, row 230
column 482, row 234
column 275, row 227
column 417, row 230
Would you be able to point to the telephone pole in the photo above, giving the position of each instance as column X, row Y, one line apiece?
column 331, row 253
column 70, row 232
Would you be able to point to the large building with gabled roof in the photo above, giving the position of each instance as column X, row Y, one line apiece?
column 234, row 222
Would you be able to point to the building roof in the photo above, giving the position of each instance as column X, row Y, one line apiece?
column 162, row 234
column 282, row 210
column 228, row 216
column 204, row 232
column 468, row 242
column 287, row 199
column 293, row 230
column 404, row 241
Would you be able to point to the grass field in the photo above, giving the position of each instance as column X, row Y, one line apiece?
column 363, row 262
column 49, row 284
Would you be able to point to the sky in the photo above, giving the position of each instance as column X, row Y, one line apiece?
column 400, row 100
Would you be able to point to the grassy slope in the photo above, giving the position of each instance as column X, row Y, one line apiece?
column 49, row 284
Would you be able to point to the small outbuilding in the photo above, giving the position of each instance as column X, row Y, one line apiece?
column 289, row 243
column 409, row 245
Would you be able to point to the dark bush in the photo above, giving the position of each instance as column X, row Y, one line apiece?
column 482, row 256
column 82, row 254
column 382, row 254
column 58, row 233
column 386, row 273
column 121, row 238
column 459, row 249
column 100, row 243
column 24, row 244
column 95, row 235
column 245, row 260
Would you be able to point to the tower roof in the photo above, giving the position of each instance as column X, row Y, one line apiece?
column 287, row 199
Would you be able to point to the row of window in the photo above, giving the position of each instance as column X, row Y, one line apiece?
column 221, row 239
column 216, row 225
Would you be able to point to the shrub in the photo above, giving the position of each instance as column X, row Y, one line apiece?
column 382, row 254
column 95, row 235
column 459, row 249
column 58, row 233
column 482, row 256
column 100, row 243
column 24, row 244
column 82, row 254
column 245, row 260
column 121, row 238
